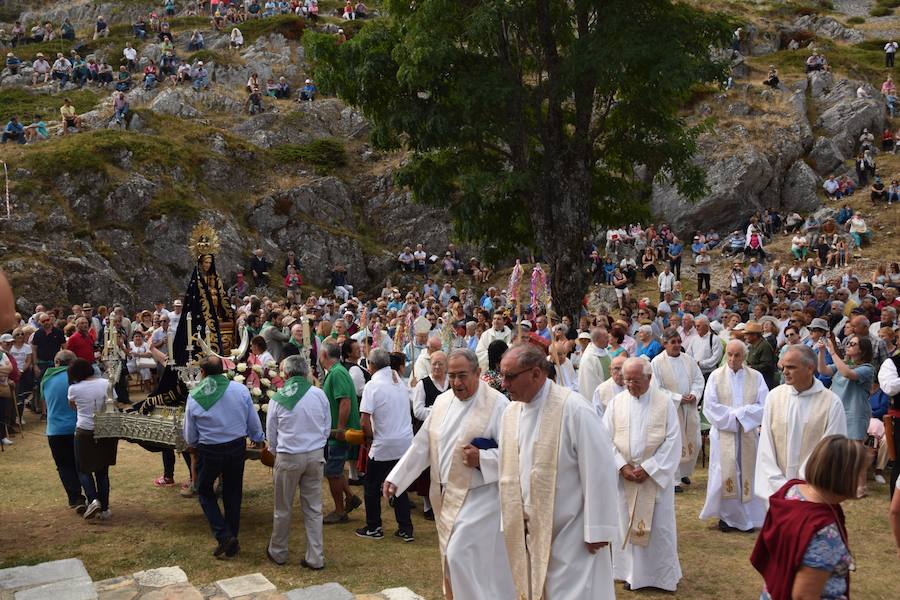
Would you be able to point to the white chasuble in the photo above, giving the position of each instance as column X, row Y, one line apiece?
column 556, row 476
column 792, row 425
column 681, row 376
column 636, row 422
column 466, row 501
column 733, row 404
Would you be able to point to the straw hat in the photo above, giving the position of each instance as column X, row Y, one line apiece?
column 753, row 327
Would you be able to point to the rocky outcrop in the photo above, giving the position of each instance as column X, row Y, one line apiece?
column 798, row 193
column 829, row 28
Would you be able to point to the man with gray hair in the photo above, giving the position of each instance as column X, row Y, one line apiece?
column 610, row 388
column 733, row 404
column 888, row 318
column 705, row 347
column 298, row 424
column 464, row 478
column 61, row 427
column 386, row 421
column 647, row 452
column 798, row 414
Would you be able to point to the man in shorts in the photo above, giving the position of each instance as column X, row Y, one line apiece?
column 341, row 392
column 70, row 119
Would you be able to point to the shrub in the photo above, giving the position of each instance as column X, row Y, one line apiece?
column 881, row 11
column 325, row 154
column 855, row 21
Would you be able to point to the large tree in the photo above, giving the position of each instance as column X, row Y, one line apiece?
column 533, row 121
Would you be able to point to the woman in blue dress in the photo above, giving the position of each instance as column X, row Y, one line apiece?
column 852, row 378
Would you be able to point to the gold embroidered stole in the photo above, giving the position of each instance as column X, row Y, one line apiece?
column 448, row 502
column 688, row 415
column 728, row 440
column 640, row 498
column 813, row 429
column 528, row 538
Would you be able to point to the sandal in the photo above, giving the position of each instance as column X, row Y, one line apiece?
column 163, row 482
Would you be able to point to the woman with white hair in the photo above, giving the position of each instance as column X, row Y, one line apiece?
column 237, row 39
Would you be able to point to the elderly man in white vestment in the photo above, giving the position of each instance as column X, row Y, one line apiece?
column 705, row 347
column 611, row 387
column 498, row 331
column 733, row 404
column 593, row 369
column 678, row 374
column 647, row 448
column 798, row 414
column 463, row 481
column 556, row 472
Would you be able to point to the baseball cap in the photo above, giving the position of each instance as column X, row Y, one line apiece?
column 7, row 337
column 584, row 335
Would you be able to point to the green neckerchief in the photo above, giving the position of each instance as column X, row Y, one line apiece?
column 209, row 390
column 48, row 374
column 294, row 389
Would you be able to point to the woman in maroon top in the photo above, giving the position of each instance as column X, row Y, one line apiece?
column 802, row 550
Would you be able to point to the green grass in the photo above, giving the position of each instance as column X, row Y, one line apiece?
column 325, row 154
column 290, row 26
column 862, row 61
column 889, row 3
column 22, row 102
column 856, row 21
column 214, row 56
column 881, row 11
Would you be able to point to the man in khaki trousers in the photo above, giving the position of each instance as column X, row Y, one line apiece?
column 298, row 424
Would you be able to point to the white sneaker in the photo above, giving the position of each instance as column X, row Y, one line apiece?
column 92, row 509
column 104, row 515
column 6, row 442
column 879, row 478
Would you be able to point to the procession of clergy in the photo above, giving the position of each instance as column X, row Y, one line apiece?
column 519, row 475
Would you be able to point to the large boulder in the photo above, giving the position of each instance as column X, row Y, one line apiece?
column 798, row 192
column 175, row 102
column 825, row 156
column 829, row 28
column 845, row 120
column 820, row 82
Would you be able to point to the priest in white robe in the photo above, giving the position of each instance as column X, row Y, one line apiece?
column 733, row 404
column 678, row 374
column 705, row 347
column 464, row 479
column 593, row 369
column 556, row 474
column 611, row 387
column 498, row 331
column 798, row 414
column 647, row 450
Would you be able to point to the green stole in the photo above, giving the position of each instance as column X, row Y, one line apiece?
column 209, row 390
column 48, row 374
column 294, row 389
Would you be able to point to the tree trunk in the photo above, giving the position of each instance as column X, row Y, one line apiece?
column 560, row 227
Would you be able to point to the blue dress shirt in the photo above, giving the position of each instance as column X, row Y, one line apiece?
column 230, row 418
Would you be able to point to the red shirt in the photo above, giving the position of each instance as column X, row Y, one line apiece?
column 82, row 345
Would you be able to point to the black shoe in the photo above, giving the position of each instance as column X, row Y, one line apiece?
column 374, row 534
column 272, row 558
column 306, row 565
column 686, row 480
column 406, row 536
column 359, row 481
column 678, row 489
column 626, row 586
column 232, row 549
column 80, row 508
column 230, row 544
column 429, row 515
column 723, row 526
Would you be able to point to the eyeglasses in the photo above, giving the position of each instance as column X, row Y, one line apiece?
column 510, row 377
column 853, row 344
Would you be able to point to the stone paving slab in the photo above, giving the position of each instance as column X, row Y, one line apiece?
column 400, row 593
column 19, row 578
column 80, row 588
column 245, row 585
column 117, row 588
column 328, row 591
column 162, row 577
column 180, row 591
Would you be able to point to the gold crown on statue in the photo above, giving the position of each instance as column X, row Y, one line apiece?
column 204, row 240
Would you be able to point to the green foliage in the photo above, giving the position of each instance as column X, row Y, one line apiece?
column 527, row 119
column 888, row 3
column 213, row 56
column 325, row 154
column 178, row 205
column 881, row 11
column 855, row 21
column 25, row 103
column 863, row 60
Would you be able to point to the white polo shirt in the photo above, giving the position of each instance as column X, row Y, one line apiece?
column 386, row 399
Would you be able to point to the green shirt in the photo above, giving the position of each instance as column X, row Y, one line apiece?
column 339, row 384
